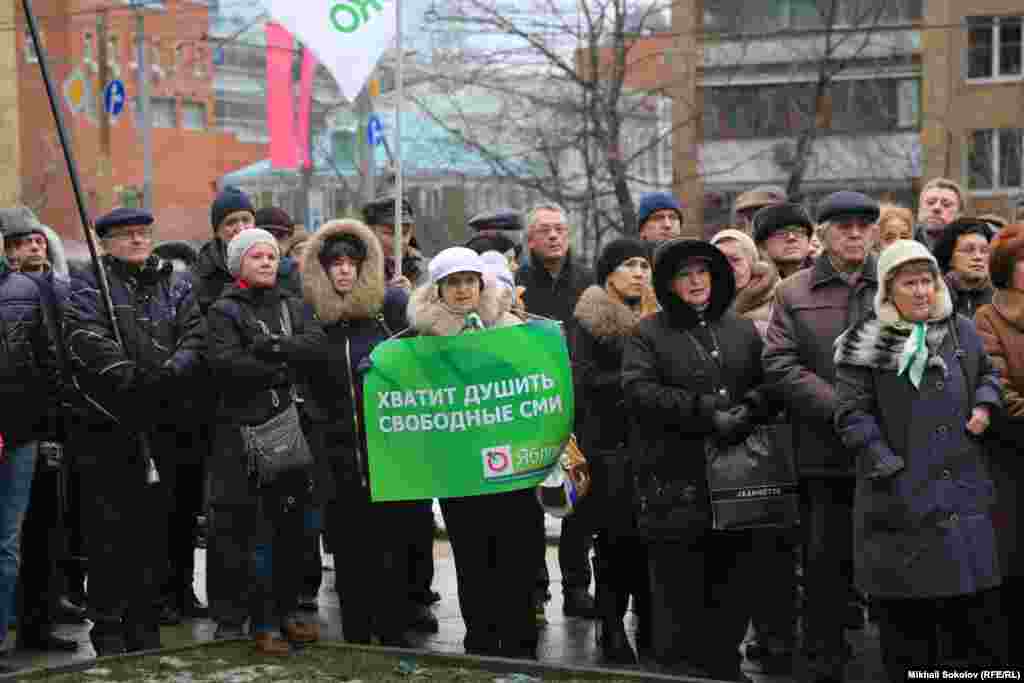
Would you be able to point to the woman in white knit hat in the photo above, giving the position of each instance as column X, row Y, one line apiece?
column 265, row 522
column 492, row 558
column 916, row 391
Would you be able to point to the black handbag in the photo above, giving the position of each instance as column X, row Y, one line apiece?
column 668, row 508
column 277, row 445
column 753, row 484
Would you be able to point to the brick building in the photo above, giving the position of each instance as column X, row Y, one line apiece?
column 189, row 152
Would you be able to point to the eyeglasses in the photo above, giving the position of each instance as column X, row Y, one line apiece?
column 792, row 231
column 545, row 229
column 129, row 234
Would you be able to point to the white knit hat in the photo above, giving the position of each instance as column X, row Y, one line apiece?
column 455, row 260
column 899, row 253
column 243, row 242
column 745, row 240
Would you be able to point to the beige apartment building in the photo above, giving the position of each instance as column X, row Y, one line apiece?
column 973, row 99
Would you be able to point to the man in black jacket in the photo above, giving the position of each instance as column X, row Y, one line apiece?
column 131, row 386
column 553, row 284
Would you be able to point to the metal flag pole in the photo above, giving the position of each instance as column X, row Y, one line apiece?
column 83, row 215
column 399, row 96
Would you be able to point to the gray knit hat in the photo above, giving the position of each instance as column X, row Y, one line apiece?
column 243, row 242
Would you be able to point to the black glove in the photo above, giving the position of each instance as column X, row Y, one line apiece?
column 267, row 347
column 732, row 426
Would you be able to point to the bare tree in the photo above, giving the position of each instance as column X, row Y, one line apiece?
column 564, row 99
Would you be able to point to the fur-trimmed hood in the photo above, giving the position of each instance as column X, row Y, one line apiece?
column 764, row 278
column 874, row 344
column 608, row 319
column 367, row 296
column 429, row 316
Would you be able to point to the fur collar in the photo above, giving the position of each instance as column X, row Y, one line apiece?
column 367, row 297
column 873, row 344
column 605, row 317
column 1009, row 303
column 763, row 279
column 429, row 316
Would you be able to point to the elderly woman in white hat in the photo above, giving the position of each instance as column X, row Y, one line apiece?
column 492, row 549
column 916, row 390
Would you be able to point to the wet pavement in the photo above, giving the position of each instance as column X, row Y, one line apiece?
column 563, row 640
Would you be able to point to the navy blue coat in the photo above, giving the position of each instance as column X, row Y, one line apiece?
column 925, row 531
column 29, row 381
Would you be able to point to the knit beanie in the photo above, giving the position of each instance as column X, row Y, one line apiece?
column 892, row 257
column 230, row 200
column 656, row 201
column 274, row 217
column 243, row 242
column 617, row 252
column 746, row 243
column 946, row 243
column 1007, row 248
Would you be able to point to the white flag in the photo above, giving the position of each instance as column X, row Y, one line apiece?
column 348, row 36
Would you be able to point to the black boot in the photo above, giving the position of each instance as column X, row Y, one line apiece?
column 107, row 636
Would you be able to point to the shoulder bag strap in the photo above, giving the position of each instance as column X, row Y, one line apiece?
column 961, row 357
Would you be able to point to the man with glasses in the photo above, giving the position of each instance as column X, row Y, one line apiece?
column 552, row 284
column 660, row 217
column 812, row 308
column 135, row 389
column 783, row 233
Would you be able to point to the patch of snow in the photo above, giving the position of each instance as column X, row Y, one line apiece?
column 98, row 672
column 174, row 662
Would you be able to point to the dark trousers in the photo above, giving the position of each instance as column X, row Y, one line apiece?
column 534, row 521
column 620, row 571
column 281, row 530
column 312, row 564
column 184, row 490
column 493, row 566
column 73, row 564
column 373, row 581
column 774, row 615
column 574, row 545
column 827, row 518
column 702, row 595
column 421, row 555
column 228, row 562
column 912, row 630
column 43, row 544
column 126, row 542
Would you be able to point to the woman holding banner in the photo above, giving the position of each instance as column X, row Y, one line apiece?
column 691, row 373
column 607, row 314
column 491, row 548
column 343, row 279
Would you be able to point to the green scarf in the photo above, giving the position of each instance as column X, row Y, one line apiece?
column 914, row 357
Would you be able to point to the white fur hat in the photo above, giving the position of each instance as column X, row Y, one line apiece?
column 455, row 260
column 243, row 242
column 497, row 267
column 900, row 253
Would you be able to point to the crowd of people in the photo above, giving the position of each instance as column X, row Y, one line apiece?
column 887, row 352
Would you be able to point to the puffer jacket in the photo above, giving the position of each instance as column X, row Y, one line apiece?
column 29, row 378
column 673, row 387
column 139, row 385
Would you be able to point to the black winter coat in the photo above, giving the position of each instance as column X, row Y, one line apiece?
column 251, row 390
column 602, row 329
column 137, row 387
column 29, row 378
column 554, row 298
column 210, row 274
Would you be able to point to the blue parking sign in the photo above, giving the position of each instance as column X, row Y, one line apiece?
column 114, row 97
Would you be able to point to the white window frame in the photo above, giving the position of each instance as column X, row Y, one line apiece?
column 995, row 76
column 997, row 190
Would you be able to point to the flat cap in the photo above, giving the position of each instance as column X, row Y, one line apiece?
column 771, row 219
column 847, row 204
column 381, row 211
column 500, row 219
column 762, row 195
column 122, row 217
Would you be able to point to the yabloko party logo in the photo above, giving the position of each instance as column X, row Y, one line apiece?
column 497, row 461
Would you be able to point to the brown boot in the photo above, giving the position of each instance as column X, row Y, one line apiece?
column 298, row 632
column 267, row 644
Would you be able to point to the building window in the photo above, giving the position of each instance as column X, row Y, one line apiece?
column 765, row 16
column 995, row 159
column 193, row 115
column 994, row 47
column 164, row 112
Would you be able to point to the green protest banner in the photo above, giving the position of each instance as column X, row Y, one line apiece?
column 477, row 413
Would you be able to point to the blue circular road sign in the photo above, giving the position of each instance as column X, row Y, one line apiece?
column 114, row 97
column 374, row 130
